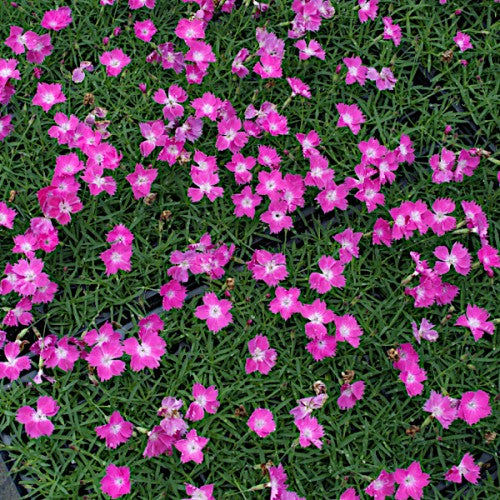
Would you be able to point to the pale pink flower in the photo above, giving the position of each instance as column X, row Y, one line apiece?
column 261, row 422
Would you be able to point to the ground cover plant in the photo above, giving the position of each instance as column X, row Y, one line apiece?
column 249, row 249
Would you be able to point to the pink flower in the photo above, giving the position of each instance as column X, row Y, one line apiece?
column 276, row 217
column 116, row 482
column 172, row 109
column 381, row 487
column 137, row 4
column 463, row 41
column 114, row 60
column 487, row 255
column 120, row 234
column 56, row 19
column 200, row 53
column 367, row 10
column 459, row 258
column 205, row 400
column 263, row 358
column 39, row 47
column 141, row 180
column 309, row 50
column 347, row 329
column 203, row 493
column 191, row 447
column 215, row 312
column 308, row 143
column 245, row 202
column 311, row 432
column 237, row 66
column 268, row 267
column 103, row 358
column 269, row 66
column 230, row 136
column 411, row 482
column 349, row 245
column 36, row 422
column 146, row 353
column 14, row 365
column 349, row 494
column 384, row 80
column 356, row 72
column 117, row 257
column 466, row 468
column 350, row 393
column 424, row 331
column 476, row 320
column 47, row 95
column 5, row 126
column 159, row 442
column 206, row 182
column 392, row 31
column 333, row 196
column 241, row 167
column 173, row 294
column 116, row 431
column 207, row 106
column 286, row 302
column 63, row 355
column 413, row 376
column 442, row 408
column 442, row 166
column 439, row 221
column 331, row 275
column 105, row 334
column 474, row 406
column 261, row 422
column 190, row 29
column 145, row 30
column 350, row 116
column 299, row 87
column 275, row 124
column 7, row 216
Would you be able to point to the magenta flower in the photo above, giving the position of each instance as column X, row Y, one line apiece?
column 230, row 135
column 311, row 432
column 14, row 364
column 442, row 166
column 276, row 218
column 392, row 31
column 207, row 106
column 205, row 400
column 367, row 10
column 381, row 487
column 384, row 80
column 116, row 482
column 356, row 72
column 7, row 216
column 411, row 482
column 215, row 312
column 262, row 357
column 285, row 302
column 145, row 30
column 333, row 196
column 439, row 221
column 459, row 258
column 6, row 126
column 199, row 53
column 173, row 294
column 476, row 320
column 241, row 167
column 442, row 408
column 307, row 50
column 463, row 41
column 261, row 422
column 159, row 442
column 205, row 492
column 116, row 431
column 466, row 468
column 299, row 87
column 347, row 329
column 350, row 116
column 191, row 447
column 350, row 393
column 114, row 60
column 331, row 275
column 190, row 29
column 474, row 406
column 172, row 108
column 141, row 180
column 413, row 376
column 424, row 331
column 349, row 494
column 117, row 257
column 56, row 19
column 268, row 66
column 237, row 66
column 47, row 95
column 103, row 358
column 268, row 267
column 487, row 255
column 36, row 422
column 349, row 245
column 147, row 353
column 63, row 355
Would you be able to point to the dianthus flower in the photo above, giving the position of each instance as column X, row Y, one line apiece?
column 36, row 422
column 116, row 481
column 215, row 312
column 263, row 358
column 476, row 319
column 465, row 469
column 205, row 400
column 261, row 422
column 116, row 431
